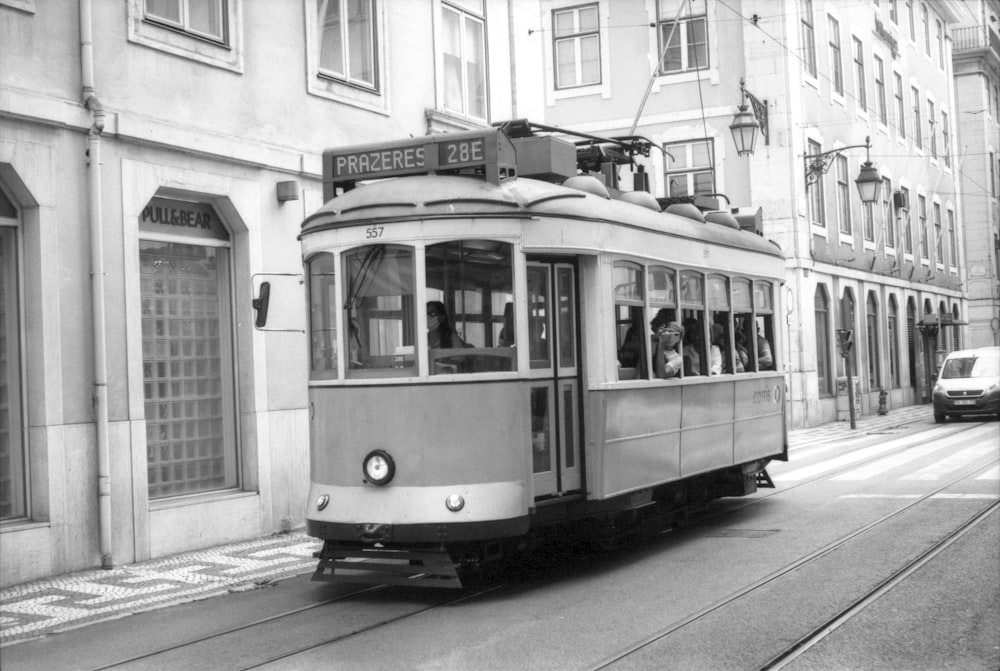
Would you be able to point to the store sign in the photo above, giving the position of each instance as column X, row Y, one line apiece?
column 181, row 217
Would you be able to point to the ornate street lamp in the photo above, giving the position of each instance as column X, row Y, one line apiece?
column 745, row 123
column 869, row 182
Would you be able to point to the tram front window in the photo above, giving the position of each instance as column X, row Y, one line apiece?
column 470, row 292
column 379, row 311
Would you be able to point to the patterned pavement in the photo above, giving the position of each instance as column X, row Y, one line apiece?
column 34, row 609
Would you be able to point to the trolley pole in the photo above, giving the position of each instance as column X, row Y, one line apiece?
column 845, row 342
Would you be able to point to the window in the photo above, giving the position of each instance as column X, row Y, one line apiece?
column 861, row 88
column 821, row 311
column 817, row 206
column 918, row 138
column 880, row 106
column 464, row 39
column 888, row 217
column 993, row 175
column 843, row 196
column 684, row 45
column 945, row 139
column 720, row 327
column 202, row 18
column 692, row 169
column 925, row 22
column 940, row 42
column 347, row 41
column 188, row 359
column 323, row 304
column 692, row 296
column 764, row 354
column 909, row 13
column 938, row 235
column 662, row 283
column 893, row 340
column 930, row 122
column 900, row 110
column 836, row 64
column 13, row 481
column 577, row 47
column 808, row 36
column 922, row 225
column 893, row 13
column 470, row 294
column 952, row 240
column 630, row 327
column 871, row 324
column 379, row 311
column 905, row 223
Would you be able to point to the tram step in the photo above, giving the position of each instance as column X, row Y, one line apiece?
column 379, row 566
column 764, row 480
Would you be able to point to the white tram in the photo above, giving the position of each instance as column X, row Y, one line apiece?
column 539, row 406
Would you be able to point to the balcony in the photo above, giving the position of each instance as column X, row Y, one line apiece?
column 975, row 38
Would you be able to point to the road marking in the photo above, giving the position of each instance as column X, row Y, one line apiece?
column 858, row 455
column 954, row 462
column 892, row 461
column 942, row 495
column 992, row 474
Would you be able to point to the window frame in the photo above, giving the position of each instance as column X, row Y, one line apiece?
column 172, row 39
column 683, row 34
column 844, row 223
column 13, row 369
column 464, row 14
column 182, row 24
column 821, row 317
column 692, row 170
column 817, row 198
column 345, row 48
column 861, row 84
column 882, row 109
column 836, row 57
column 900, row 105
column 807, row 35
column 576, row 37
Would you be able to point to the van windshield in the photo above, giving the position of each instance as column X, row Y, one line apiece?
column 972, row 366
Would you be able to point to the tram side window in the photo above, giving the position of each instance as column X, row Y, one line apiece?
column 379, row 311
column 472, row 282
column 764, row 340
column 663, row 306
column 322, row 316
column 721, row 360
column 630, row 327
column 692, row 296
column 743, row 325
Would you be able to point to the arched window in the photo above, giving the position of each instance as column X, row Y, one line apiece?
column 13, row 499
column 821, row 308
column 892, row 337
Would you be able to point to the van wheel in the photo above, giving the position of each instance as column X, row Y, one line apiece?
column 939, row 417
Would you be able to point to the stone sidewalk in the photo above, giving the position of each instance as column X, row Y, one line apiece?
column 50, row 605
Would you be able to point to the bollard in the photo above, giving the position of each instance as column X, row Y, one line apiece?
column 882, row 409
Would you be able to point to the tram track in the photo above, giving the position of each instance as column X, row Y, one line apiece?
column 842, row 615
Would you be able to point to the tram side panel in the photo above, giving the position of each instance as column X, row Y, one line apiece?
column 443, row 439
column 662, row 433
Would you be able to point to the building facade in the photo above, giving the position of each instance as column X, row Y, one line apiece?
column 839, row 83
column 976, row 49
column 156, row 161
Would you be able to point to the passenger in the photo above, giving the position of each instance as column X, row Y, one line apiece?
column 440, row 334
column 764, row 357
column 717, row 362
column 667, row 336
column 742, row 355
column 507, row 332
column 692, row 347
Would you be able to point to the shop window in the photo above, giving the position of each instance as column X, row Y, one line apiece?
column 630, row 327
column 893, row 337
column 470, row 308
column 379, row 311
column 821, row 311
column 13, row 494
column 874, row 352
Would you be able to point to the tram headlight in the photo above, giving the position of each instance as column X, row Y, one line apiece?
column 322, row 501
column 378, row 467
column 454, row 503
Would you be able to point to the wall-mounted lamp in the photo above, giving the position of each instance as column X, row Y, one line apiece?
column 869, row 182
column 287, row 191
column 745, row 123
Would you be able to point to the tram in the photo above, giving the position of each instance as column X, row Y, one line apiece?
column 483, row 368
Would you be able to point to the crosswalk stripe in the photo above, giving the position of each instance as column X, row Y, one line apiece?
column 992, row 474
column 858, row 455
column 940, row 495
column 916, row 452
column 936, row 470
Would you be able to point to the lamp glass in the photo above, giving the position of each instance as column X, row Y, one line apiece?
column 744, row 129
column 869, row 183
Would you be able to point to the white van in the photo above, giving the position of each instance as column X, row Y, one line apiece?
column 968, row 384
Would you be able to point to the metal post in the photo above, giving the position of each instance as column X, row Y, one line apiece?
column 850, row 388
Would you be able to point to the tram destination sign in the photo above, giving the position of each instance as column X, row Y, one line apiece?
column 488, row 151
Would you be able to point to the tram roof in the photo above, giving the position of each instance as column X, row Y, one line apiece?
column 460, row 196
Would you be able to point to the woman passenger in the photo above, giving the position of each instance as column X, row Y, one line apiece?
column 667, row 335
column 440, row 334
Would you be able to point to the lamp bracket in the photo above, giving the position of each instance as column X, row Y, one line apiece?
column 819, row 164
column 759, row 111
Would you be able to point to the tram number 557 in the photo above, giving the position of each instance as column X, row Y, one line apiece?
column 374, row 232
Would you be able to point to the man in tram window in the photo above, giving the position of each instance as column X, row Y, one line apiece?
column 667, row 336
column 764, row 356
column 692, row 347
column 719, row 351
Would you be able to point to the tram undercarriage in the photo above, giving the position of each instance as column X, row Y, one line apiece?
column 602, row 525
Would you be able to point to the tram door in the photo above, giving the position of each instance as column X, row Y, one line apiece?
column 555, row 388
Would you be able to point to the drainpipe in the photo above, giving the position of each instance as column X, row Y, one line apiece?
column 91, row 102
